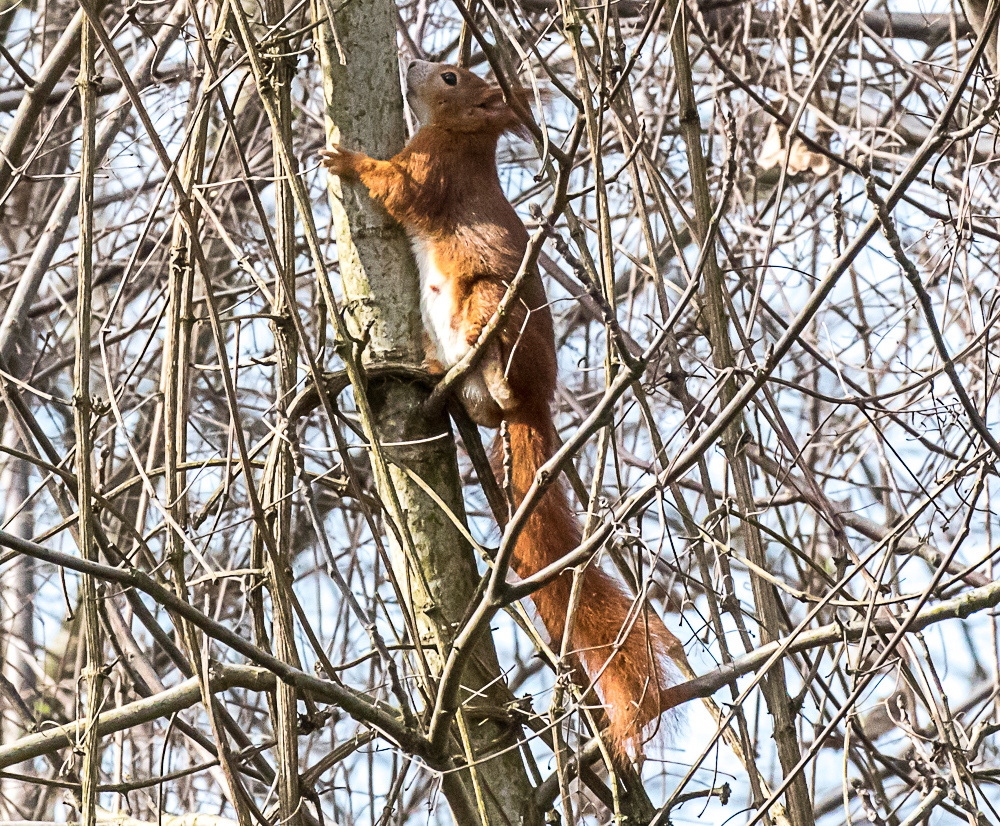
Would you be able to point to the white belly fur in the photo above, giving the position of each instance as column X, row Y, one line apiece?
column 437, row 306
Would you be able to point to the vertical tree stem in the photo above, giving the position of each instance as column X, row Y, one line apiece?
column 94, row 676
column 774, row 689
column 279, row 568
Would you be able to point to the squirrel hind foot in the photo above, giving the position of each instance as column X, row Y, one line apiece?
column 478, row 401
column 497, row 384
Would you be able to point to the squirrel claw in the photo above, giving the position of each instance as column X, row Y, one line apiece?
column 338, row 160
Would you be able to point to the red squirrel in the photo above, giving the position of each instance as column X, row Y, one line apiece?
column 469, row 243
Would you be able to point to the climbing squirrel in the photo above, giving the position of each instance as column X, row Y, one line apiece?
column 469, row 244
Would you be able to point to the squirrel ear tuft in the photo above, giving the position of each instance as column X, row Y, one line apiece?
column 493, row 100
column 521, row 112
column 510, row 118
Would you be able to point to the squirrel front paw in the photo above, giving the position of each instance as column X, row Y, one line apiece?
column 340, row 161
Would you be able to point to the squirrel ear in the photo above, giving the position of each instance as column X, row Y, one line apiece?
column 504, row 114
column 493, row 101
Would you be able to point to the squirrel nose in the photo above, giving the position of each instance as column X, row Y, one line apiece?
column 418, row 70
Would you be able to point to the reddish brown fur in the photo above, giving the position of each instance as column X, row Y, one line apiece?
column 444, row 189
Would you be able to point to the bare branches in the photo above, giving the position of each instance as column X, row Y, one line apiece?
column 913, row 277
column 247, row 571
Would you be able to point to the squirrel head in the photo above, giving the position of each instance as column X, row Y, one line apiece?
column 455, row 99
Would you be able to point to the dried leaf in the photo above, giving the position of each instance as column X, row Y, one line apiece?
column 800, row 159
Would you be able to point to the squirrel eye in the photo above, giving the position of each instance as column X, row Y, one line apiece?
column 450, row 78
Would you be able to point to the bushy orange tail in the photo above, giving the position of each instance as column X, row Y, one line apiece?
column 616, row 641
